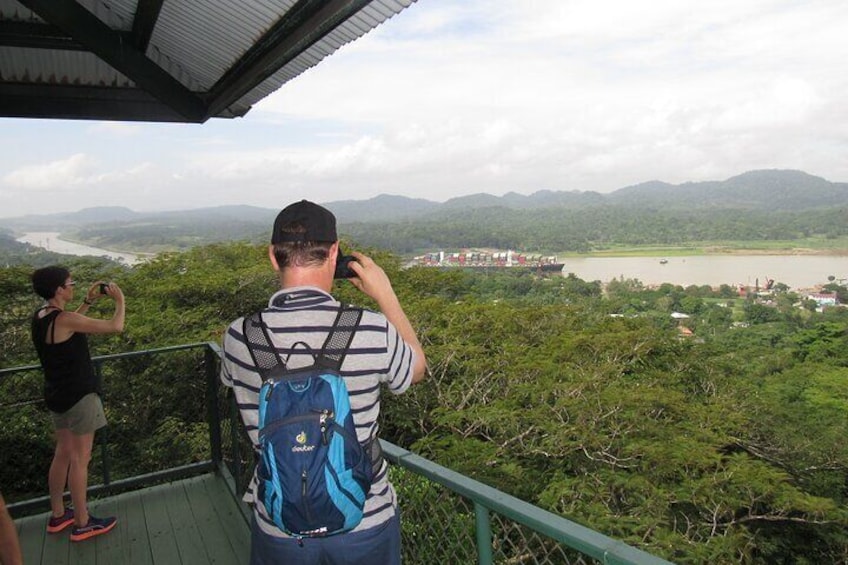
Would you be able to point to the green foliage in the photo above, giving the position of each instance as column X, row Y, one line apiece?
column 18, row 302
column 757, row 313
column 176, row 440
column 191, row 296
column 840, row 290
column 437, row 527
column 723, row 448
column 804, row 212
column 26, row 443
column 595, row 227
column 170, row 233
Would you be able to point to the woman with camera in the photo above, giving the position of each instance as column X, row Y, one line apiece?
column 71, row 391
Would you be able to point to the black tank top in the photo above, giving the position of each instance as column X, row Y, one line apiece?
column 68, row 371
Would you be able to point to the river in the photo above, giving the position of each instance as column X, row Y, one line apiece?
column 51, row 242
column 795, row 271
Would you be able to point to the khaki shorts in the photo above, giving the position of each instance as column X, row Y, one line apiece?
column 84, row 417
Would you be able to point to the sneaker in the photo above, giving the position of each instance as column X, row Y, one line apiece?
column 56, row 525
column 95, row 527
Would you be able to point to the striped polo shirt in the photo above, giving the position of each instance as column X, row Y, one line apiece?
column 377, row 355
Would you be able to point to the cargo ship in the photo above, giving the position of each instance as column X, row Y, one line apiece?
column 474, row 259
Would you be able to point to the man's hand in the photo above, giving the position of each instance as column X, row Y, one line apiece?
column 370, row 278
column 373, row 281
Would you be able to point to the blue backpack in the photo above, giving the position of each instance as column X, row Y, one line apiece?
column 314, row 475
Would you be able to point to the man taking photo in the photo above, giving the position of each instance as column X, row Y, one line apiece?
column 383, row 350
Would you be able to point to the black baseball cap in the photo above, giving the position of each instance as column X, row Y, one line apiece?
column 317, row 223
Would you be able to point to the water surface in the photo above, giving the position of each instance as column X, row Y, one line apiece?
column 51, row 242
column 795, row 271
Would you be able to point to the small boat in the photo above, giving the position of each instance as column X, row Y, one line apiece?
column 663, row 261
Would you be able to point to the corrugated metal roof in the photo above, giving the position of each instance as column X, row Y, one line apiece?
column 13, row 10
column 188, row 59
column 208, row 43
column 27, row 65
column 365, row 20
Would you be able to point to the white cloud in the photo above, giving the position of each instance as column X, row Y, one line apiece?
column 605, row 92
column 71, row 174
column 63, row 173
column 451, row 98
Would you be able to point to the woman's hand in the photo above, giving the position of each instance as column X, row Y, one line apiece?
column 79, row 322
column 114, row 291
column 92, row 294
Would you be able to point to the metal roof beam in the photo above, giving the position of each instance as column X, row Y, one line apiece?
column 146, row 16
column 37, row 36
column 75, row 102
column 112, row 47
column 301, row 26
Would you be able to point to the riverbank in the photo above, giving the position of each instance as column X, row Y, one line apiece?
column 831, row 247
column 52, row 241
column 139, row 255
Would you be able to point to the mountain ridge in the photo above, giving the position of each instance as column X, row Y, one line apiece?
column 760, row 190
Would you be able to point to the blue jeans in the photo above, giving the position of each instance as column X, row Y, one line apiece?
column 375, row 546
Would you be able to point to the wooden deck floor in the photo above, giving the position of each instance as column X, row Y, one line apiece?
column 193, row 521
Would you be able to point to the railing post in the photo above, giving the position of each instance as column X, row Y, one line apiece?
column 103, row 436
column 234, row 441
column 484, row 534
column 214, row 416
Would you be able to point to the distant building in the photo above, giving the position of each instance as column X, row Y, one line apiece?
column 684, row 331
column 823, row 299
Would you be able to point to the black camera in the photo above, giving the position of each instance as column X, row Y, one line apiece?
column 103, row 287
column 343, row 270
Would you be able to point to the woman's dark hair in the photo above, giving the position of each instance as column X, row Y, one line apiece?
column 46, row 280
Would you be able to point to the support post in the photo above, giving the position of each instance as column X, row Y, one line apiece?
column 103, row 434
column 213, row 414
column 484, row 534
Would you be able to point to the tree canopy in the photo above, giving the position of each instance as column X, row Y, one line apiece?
column 726, row 446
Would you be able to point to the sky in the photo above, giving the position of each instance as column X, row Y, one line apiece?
column 456, row 97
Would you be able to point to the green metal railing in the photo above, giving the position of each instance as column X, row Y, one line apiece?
column 484, row 525
column 446, row 517
column 505, row 527
column 21, row 393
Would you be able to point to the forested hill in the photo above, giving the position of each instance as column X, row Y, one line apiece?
column 756, row 190
column 761, row 191
column 757, row 205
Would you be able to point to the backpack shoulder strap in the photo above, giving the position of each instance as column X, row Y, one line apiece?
column 338, row 341
column 333, row 353
column 258, row 342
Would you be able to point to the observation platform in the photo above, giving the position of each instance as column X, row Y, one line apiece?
column 185, row 522
column 189, row 509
